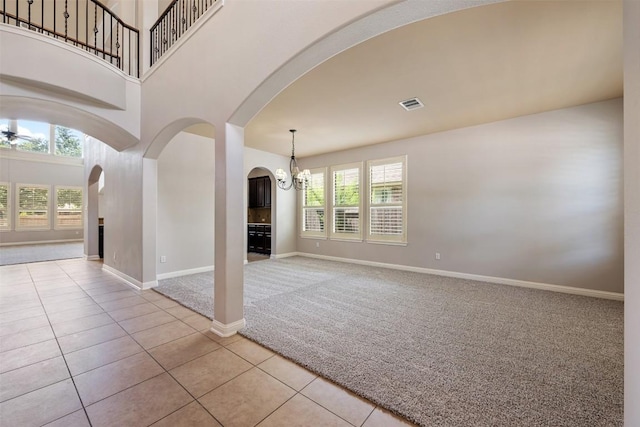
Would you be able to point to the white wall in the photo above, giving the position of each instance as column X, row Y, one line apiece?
column 121, row 205
column 632, row 213
column 33, row 168
column 186, row 172
column 535, row 198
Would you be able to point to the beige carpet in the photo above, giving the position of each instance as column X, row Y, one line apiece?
column 439, row 351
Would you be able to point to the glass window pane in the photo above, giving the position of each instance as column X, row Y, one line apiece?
column 69, row 208
column 33, row 207
column 36, row 136
column 4, row 206
column 4, row 127
column 68, row 142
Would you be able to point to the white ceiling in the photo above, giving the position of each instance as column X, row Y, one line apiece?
column 474, row 66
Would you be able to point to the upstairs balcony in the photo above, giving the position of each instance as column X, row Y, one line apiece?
column 86, row 24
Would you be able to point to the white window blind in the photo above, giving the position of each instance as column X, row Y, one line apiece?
column 387, row 200
column 346, row 202
column 313, row 205
column 5, row 209
column 68, row 207
column 33, row 207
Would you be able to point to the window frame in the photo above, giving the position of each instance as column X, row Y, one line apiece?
column 56, row 225
column 314, row 234
column 9, row 207
column 389, row 239
column 341, row 235
column 17, row 210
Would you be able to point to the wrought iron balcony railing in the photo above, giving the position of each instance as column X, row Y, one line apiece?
column 86, row 24
column 174, row 22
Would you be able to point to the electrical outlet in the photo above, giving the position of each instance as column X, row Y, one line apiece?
column 163, row 258
column 438, row 255
column 317, row 244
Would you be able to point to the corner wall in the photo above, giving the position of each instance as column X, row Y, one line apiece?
column 632, row 213
column 536, row 198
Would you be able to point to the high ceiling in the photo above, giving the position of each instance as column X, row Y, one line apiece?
column 475, row 66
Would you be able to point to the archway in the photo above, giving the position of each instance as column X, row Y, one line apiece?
column 185, row 174
column 261, row 220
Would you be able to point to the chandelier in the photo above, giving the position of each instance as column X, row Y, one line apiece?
column 298, row 179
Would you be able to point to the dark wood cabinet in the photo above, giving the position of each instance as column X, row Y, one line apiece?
column 259, row 239
column 260, row 192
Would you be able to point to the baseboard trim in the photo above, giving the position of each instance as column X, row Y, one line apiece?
column 186, row 272
column 91, row 257
column 285, row 255
column 136, row 284
column 41, row 242
column 499, row 280
column 149, row 285
column 226, row 330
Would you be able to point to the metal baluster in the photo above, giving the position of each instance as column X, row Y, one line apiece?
column 103, row 31
column 77, row 25
column 66, row 19
column 17, row 13
column 118, row 45
column 54, row 19
column 86, row 25
column 138, row 54
column 111, row 34
column 30, row 2
column 95, row 29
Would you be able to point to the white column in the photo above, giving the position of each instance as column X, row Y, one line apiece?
column 631, row 25
column 229, row 231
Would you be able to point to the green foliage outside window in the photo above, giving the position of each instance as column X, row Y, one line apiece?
column 69, row 198
column 33, row 198
column 67, row 143
column 37, row 145
column 4, row 205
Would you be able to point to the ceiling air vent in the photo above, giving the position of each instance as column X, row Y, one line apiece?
column 411, row 104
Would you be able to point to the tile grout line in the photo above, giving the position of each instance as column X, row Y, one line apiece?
column 60, row 348
column 147, row 351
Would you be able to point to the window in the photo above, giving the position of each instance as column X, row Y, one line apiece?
column 33, row 207
column 387, row 200
column 43, row 138
column 4, row 126
column 5, row 208
column 68, row 207
column 346, row 201
column 313, row 205
column 68, row 142
column 38, row 134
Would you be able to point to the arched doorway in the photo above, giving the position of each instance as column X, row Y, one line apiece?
column 179, row 170
column 260, row 214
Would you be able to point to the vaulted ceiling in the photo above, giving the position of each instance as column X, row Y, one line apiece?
column 475, row 66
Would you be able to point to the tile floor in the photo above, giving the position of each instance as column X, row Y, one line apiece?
column 79, row 347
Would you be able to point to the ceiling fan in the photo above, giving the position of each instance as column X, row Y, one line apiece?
column 8, row 134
